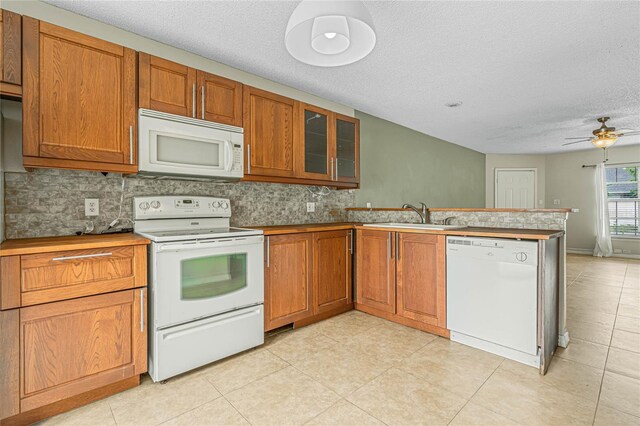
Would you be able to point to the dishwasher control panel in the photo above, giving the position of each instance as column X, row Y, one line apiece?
column 494, row 249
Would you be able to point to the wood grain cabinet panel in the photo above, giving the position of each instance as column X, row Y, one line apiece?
column 220, row 99
column 270, row 124
column 332, row 270
column 62, row 275
column 79, row 103
column 78, row 345
column 288, row 279
column 421, row 280
column 166, row 86
column 376, row 270
column 10, row 53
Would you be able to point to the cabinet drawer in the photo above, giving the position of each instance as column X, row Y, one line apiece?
column 63, row 275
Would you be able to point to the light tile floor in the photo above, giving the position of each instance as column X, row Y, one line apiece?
column 356, row 369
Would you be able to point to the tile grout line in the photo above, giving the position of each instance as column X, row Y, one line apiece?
column 606, row 360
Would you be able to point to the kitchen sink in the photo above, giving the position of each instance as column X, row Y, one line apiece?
column 415, row 226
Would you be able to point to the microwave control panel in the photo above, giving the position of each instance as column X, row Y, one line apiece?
column 238, row 155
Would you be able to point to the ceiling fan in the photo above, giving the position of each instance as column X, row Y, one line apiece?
column 604, row 136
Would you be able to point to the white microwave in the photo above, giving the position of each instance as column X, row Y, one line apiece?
column 175, row 146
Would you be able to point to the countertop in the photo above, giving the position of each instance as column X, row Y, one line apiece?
column 460, row 209
column 52, row 244
column 524, row 234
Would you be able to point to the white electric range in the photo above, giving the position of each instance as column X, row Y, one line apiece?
column 206, row 282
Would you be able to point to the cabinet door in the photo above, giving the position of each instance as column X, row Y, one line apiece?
column 332, row 270
column 79, row 100
column 347, row 156
column 10, row 52
column 269, row 129
column 288, row 279
column 315, row 143
column 74, row 346
column 376, row 270
column 166, row 86
column 421, row 278
column 220, row 99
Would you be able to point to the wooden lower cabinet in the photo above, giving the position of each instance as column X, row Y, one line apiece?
column 402, row 277
column 376, row 270
column 287, row 279
column 308, row 277
column 332, row 263
column 78, row 345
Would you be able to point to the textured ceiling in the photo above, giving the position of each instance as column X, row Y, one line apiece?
column 528, row 74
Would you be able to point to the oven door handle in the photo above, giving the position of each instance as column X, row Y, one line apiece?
column 222, row 242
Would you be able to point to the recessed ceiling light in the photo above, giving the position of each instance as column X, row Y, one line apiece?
column 330, row 33
column 454, row 104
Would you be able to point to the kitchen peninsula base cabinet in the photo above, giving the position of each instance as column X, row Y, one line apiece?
column 73, row 324
column 307, row 277
column 402, row 277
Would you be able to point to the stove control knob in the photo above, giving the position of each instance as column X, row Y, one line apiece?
column 225, row 205
column 216, row 204
column 144, row 205
column 155, row 204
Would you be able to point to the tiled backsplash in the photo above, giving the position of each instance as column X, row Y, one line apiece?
column 50, row 202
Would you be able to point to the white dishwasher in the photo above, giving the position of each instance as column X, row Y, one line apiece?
column 492, row 296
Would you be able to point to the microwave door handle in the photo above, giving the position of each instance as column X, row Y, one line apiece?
column 229, row 165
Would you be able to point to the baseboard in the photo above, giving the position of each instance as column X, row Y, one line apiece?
column 563, row 339
column 590, row 253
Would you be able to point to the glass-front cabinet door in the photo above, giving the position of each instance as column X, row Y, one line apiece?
column 317, row 146
column 347, row 140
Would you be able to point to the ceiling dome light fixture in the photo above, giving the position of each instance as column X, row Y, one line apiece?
column 330, row 33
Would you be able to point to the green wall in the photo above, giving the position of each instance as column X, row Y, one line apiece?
column 399, row 165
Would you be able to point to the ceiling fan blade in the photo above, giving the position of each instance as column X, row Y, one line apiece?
column 581, row 137
column 571, row 143
column 634, row 133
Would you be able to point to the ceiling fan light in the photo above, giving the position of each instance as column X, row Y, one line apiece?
column 330, row 33
column 604, row 141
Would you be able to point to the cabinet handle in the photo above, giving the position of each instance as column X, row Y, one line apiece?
column 389, row 245
column 397, row 246
column 202, row 102
column 268, row 252
column 193, row 100
column 336, row 168
column 142, row 310
column 331, row 168
column 351, row 242
column 248, row 159
column 82, row 256
column 130, row 144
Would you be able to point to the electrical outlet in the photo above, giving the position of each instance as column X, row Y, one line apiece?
column 311, row 207
column 368, row 205
column 556, row 202
column 91, row 207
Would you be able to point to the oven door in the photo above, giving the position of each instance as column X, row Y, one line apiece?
column 192, row 280
column 172, row 145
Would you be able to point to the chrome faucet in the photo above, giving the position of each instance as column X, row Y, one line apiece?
column 424, row 213
column 447, row 220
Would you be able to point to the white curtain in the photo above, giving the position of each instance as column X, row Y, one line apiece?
column 603, row 235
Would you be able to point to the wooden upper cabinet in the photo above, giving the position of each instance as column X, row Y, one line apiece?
column 166, row 86
column 332, row 263
column 220, row 99
column 288, row 279
column 376, row 270
column 421, row 278
column 82, row 344
column 10, row 53
column 347, row 148
column 315, row 143
column 79, row 103
column 270, row 125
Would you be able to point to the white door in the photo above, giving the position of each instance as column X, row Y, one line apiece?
column 515, row 189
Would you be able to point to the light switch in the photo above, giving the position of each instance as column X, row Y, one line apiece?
column 556, row 202
column 311, row 207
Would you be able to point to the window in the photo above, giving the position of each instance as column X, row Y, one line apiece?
column 624, row 205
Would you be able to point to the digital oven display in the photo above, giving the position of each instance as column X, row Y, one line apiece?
column 187, row 201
